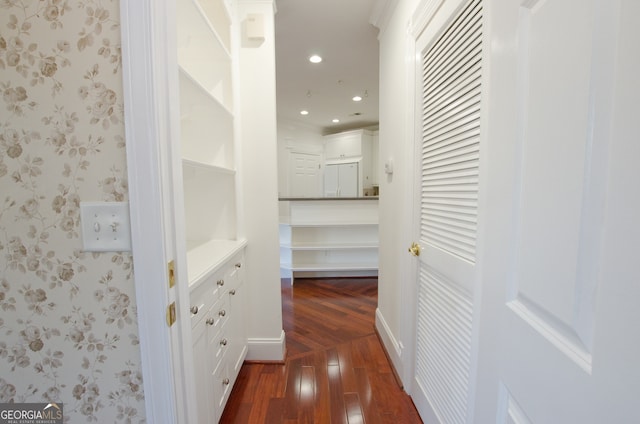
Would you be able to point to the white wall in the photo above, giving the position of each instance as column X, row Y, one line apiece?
column 260, row 187
column 396, row 143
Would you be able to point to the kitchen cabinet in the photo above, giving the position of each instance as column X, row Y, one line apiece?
column 341, row 180
column 346, row 144
column 352, row 147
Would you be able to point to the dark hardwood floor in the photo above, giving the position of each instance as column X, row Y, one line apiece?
column 335, row 369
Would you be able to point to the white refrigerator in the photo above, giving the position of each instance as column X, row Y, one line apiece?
column 341, row 180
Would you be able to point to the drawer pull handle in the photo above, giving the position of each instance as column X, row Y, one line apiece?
column 232, row 292
column 226, row 381
column 223, row 342
column 222, row 313
column 194, row 310
column 210, row 321
column 220, row 283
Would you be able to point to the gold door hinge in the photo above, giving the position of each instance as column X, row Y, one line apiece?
column 171, row 314
column 172, row 274
column 415, row 249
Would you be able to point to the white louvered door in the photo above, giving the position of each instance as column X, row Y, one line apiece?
column 448, row 108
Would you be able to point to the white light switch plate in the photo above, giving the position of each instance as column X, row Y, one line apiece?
column 105, row 226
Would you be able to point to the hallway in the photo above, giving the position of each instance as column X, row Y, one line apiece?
column 335, row 369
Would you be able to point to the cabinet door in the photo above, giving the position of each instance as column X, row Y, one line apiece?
column 343, row 145
column 348, row 180
column 236, row 330
column 202, row 374
column 221, row 389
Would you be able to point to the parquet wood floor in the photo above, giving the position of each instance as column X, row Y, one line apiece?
column 335, row 369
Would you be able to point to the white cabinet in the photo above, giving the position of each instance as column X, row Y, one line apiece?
column 341, row 180
column 208, row 142
column 219, row 336
column 343, row 145
column 329, row 238
column 352, row 146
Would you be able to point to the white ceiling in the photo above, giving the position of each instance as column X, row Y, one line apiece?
column 340, row 32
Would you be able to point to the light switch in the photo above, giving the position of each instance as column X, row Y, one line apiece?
column 105, row 226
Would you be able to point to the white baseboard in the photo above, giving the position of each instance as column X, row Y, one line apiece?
column 391, row 345
column 266, row 349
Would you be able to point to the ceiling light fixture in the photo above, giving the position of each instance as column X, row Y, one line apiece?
column 315, row 59
column 335, row 121
column 304, row 112
column 357, row 98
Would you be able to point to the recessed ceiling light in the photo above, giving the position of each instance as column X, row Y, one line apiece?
column 315, row 59
column 357, row 98
column 335, row 121
column 304, row 112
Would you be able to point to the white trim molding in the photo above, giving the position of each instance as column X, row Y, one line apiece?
column 391, row 345
column 146, row 44
column 266, row 349
column 381, row 13
column 423, row 14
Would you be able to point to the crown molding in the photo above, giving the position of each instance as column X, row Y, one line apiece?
column 381, row 13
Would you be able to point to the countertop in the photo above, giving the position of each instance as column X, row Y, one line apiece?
column 289, row 199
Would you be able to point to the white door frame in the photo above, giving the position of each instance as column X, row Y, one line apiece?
column 148, row 55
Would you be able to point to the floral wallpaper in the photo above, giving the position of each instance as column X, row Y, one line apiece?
column 68, row 328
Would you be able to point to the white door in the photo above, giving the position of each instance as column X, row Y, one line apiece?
column 449, row 73
column 559, row 341
column 305, row 174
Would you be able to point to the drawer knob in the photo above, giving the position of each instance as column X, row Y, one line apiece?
column 220, row 283
column 232, row 292
column 194, row 310
column 222, row 313
column 223, row 342
column 239, row 265
column 226, row 381
column 210, row 321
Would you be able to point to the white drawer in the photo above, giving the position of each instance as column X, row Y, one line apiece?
column 202, row 297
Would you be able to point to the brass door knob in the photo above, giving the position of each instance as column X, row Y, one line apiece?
column 414, row 249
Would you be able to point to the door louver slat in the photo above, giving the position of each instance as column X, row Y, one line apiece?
column 450, row 132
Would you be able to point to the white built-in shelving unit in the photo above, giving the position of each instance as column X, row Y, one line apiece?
column 215, row 251
column 208, row 133
column 329, row 237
